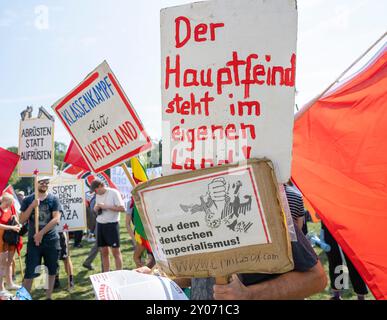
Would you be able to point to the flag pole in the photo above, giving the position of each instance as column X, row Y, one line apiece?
column 308, row 105
column 36, row 198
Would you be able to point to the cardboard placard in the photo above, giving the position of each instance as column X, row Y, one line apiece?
column 71, row 194
column 217, row 221
column 102, row 121
column 228, row 83
column 36, row 147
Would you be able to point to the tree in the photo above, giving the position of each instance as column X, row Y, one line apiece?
column 60, row 152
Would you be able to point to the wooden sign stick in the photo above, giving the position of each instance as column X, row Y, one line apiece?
column 222, row 280
column 128, row 175
column 37, row 208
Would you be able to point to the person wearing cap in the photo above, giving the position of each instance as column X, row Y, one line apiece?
column 44, row 244
column 109, row 204
column 20, row 196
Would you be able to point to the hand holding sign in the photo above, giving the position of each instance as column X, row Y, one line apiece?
column 235, row 290
column 38, row 238
column 35, row 203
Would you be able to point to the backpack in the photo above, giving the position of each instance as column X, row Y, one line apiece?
column 11, row 237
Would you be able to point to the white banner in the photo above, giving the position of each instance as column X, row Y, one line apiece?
column 118, row 176
column 36, row 147
column 132, row 285
column 228, row 83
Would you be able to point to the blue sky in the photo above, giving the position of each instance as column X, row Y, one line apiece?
column 47, row 47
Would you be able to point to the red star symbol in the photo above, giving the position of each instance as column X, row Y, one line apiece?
column 36, row 172
column 65, row 227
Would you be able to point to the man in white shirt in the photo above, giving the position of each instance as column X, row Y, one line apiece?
column 108, row 206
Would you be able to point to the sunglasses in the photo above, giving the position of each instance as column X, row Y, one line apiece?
column 44, row 182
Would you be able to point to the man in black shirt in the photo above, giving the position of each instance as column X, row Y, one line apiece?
column 45, row 243
column 307, row 277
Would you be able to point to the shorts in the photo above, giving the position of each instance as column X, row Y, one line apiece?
column 108, row 235
column 49, row 252
column 64, row 246
column 4, row 247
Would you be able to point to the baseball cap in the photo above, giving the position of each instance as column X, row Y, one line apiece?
column 41, row 178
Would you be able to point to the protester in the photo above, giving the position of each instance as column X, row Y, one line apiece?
column 65, row 257
column 128, row 221
column 296, row 204
column 91, row 214
column 307, row 277
column 78, row 235
column 45, row 243
column 7, row 251
column 20, row 196
column 108, row 206
column 335, row 262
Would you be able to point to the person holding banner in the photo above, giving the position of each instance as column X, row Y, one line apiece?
column 108, row 206
column 44, row 244
column 7, row 250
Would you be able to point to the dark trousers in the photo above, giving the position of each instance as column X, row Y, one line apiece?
column 78, row 235
column 335, row 259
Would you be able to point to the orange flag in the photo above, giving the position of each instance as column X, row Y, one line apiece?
column 340, row 165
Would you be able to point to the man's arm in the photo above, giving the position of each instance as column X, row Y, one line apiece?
column 288, row 286
column 25, row 215
column 113, row 208
column 53, row 222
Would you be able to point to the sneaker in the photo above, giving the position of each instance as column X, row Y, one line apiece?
column 88, row 266
column 13, row 287
column 91, row 239
column 78, row 245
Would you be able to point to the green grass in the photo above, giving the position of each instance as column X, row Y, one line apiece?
column 83, row 289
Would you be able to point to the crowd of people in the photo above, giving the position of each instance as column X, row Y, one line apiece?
column 103, row 217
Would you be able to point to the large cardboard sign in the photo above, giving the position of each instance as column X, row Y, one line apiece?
column 131, row 285
column 36, row 147
column 216, row 221
column 71, row 194
column 102, row 121
column 228, row 83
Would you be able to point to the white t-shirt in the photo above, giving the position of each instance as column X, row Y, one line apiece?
column 111, row 198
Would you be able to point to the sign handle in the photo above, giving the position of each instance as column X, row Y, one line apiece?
column 128, row 175
column 37, row 208
column 222, row 280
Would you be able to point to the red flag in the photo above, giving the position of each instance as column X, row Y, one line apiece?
column 8, row 162
column 73, row 156
column 340, row 165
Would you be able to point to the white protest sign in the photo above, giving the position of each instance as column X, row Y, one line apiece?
column 102, row 121
column 71, row 196
column 36, row 147
column 212, row 213
column 228, row 83
column 131, row 285
column 119, row 178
